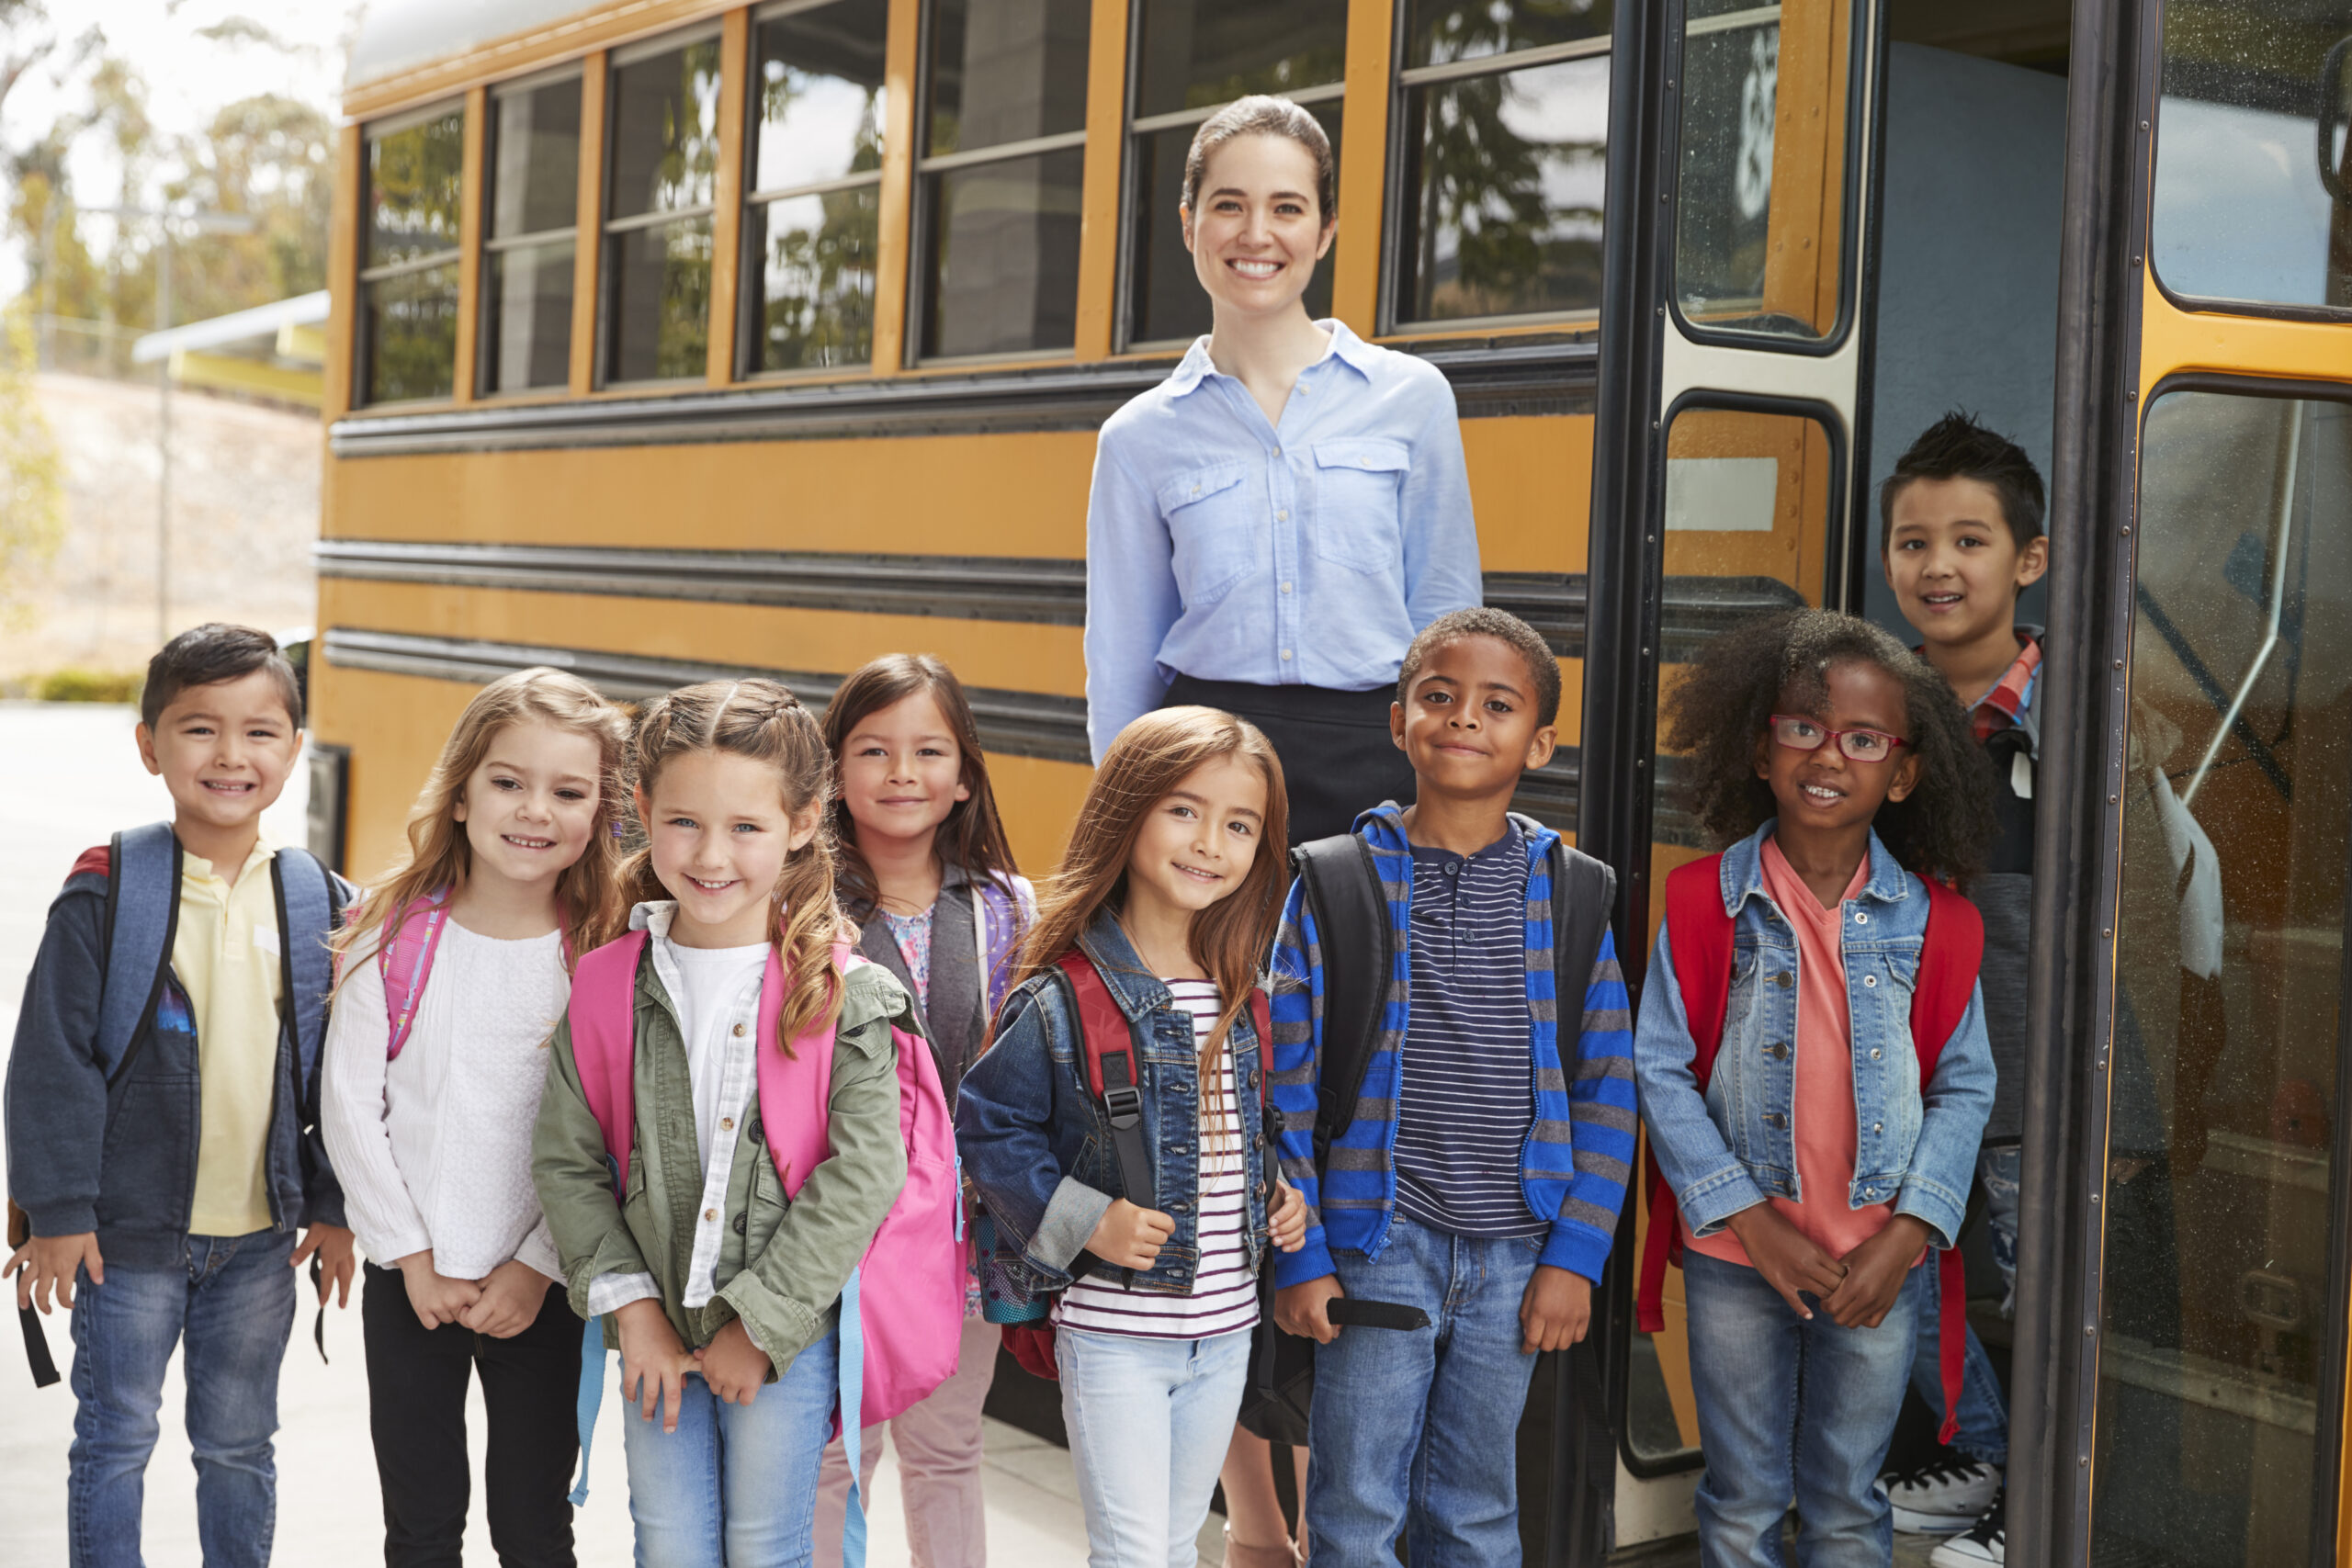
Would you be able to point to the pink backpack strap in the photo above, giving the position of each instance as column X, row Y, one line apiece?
column 405, row 961
column 603, row 1013
column 796, row 1092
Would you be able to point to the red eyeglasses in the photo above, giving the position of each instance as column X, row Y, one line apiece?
column 1799, row 733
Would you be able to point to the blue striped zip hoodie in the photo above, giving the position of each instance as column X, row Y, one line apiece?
column 1580, row 1152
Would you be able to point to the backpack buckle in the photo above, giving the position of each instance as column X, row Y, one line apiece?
column 1125, row 1103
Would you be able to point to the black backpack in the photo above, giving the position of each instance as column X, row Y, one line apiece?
column 1351, row 908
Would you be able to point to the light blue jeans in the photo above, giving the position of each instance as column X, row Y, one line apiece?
column 232, row 1307
column 1984, row 1431
column 1792, row 1408
column 1415, row 1433
column 735, row 1486
column 1140, row 1409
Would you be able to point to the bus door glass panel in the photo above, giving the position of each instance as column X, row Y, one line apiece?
column 1748, row 501
column 2254, row 175
column 1761, row 179
column 2219, row 1331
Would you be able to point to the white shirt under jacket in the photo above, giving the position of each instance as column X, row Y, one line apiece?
column 433, row 1149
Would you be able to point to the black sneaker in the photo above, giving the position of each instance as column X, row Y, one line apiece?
column 1942, row 1498
column 1981, row 1545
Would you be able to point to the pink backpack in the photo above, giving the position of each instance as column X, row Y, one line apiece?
column 407, row 959
column 895, row 1347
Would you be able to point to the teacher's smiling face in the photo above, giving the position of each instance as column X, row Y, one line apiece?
column 1258, row 230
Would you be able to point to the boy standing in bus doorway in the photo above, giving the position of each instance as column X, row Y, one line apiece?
column 1961, row 539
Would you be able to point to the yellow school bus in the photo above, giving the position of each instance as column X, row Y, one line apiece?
column 674, row 339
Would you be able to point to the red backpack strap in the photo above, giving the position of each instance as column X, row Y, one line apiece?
column 602, row 1014
column 1261, row 1020
column 1112, row 1073
column 1950, row 956
column 1699, row 932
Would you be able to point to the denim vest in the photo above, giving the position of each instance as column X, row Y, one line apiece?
column 1915, row 1144
column 1034, row 1141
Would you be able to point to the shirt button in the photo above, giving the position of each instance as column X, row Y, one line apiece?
column 1873, row 1054
column 1285, row 587
column 1278, row 451
column 1870, row 979
column 710, row 1213
column 727, row 1123
column 1861, row 919
column 1196, row 490
column 738, row 1031
column 1365, row 461
column 1878, row 1126
column 1452, row 867
column 1285, row 655
column 1283, row 515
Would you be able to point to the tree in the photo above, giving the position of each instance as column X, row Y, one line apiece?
column 32, row 479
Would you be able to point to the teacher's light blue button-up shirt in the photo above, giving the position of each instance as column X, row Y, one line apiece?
column 1305, row 553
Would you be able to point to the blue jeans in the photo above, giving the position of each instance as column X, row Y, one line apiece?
column 735, row 1486
column 1984, row 1431
column 1795, row 1408
column 233, row 1303
column 1415, row 1433
column 1140, row 1409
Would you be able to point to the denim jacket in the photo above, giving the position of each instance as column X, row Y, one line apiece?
column 1036, row 1145
column 1915, row 1144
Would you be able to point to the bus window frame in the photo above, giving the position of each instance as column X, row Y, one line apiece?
column 710, row 29
column 362, row 275
column 489, row 244
column 1865, row 39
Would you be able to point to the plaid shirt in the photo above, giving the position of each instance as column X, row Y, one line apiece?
column 1997, row 709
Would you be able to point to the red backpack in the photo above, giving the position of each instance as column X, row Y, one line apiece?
column 1116, row 1078
column 1699, row 932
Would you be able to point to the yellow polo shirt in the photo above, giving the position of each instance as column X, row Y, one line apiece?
column 227, row 957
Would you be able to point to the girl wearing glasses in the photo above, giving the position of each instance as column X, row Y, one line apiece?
column 1819, row 1155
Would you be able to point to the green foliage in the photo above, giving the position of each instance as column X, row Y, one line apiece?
column 76, row 686
column 32, row 479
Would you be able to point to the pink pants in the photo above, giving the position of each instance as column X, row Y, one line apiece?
column 939, row 1467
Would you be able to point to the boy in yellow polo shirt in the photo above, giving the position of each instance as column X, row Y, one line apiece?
column 161, row 1115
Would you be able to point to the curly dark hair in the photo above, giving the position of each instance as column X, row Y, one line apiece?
column 1723, row 704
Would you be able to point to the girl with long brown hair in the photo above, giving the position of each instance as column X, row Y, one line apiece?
column 1166, row 900
column 927, row 875
column 429, row 1093
column 722, row 1294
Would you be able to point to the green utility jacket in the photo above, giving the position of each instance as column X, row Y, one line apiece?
column 782, row 1261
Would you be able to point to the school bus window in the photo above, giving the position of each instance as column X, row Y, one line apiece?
column 1003, row 151
column 407, row 279
column 1760, row 192
column 2254, row 168
column 810, row 221
column 1193, row 57
column 1506, row 143
column 662, row 155
column 530, row 209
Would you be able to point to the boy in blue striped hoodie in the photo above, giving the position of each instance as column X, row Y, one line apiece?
column 1481, row 1174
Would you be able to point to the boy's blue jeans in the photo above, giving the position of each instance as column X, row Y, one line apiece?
column 233, row 1305
column 735, row 1486
column 1984, row 1431
column 1149, row 1421
column 1791, row 1407
column 1415, row 1433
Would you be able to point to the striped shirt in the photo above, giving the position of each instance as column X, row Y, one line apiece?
column 1469, row 1077
column 1224, row 1290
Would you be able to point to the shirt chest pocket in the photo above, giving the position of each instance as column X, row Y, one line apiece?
column 1215, row 529
column 1358, row 502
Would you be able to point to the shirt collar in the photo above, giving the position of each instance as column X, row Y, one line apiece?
column 2000, row 706
column 1196, row 367
column 196, row 868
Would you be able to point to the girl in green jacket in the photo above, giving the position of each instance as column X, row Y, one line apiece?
column 721, row 1293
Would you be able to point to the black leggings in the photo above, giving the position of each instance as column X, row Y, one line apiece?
column 416, row 1398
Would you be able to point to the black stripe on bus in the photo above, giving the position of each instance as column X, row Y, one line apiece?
column 1551, row 373
column 1048, row 590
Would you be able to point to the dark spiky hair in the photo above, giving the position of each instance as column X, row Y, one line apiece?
column 1723, row 704
column 1958, row 448
column 1484, row 620
column 207, row 655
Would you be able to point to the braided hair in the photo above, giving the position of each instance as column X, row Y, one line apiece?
column 763, row 721
column 1723, row 705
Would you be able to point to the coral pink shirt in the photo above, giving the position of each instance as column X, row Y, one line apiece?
column 1823, row 1101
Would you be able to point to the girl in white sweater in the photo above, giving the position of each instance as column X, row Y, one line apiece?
column 431, row 1091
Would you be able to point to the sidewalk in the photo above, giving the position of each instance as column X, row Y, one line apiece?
column 87, row 783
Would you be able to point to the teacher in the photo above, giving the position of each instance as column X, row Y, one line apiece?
column 1270, row 526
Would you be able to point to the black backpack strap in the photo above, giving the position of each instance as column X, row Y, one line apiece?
column 1352, row 925
column 1584, row 894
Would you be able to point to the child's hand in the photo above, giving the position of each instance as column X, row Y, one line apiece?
column 1556, row 1310
column 1786, row 1256
column 732, row 1365
column 509, row 1301
column 46, row 1264
column 435, row 1297
column 1287, row 1224
column 1130, row 1238
column 1874, row 1273
column 653, row 1363
column 333, row 1245
column 1305, row 1309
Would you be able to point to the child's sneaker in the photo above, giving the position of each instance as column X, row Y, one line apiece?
column 1981, row 1545
column 1944, row 1496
